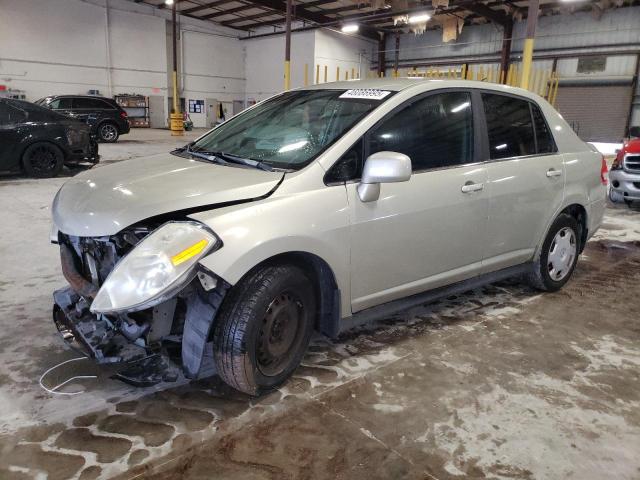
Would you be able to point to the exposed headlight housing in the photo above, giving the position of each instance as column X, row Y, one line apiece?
column 156, row 269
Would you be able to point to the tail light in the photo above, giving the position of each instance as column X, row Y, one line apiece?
column 123, row 114
column 603, row 172
column 617, row 164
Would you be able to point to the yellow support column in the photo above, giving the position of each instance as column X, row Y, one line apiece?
column 326, row 73
column 317, row 74
column 337, row 74
column 287, row 74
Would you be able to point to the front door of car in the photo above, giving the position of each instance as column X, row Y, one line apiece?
column 428, row 231
column 526, row 179
column 10, row 137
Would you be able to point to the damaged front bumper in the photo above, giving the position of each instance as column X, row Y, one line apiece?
column 148, row 346
column 97, row 338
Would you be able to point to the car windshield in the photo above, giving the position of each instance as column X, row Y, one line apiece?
column 290, row 130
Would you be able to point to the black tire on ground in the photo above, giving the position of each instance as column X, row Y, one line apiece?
column 263, row 328
column 108, row 132
column 42, row 160
column 540, row 276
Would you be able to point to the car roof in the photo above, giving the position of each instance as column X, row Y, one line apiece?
column 78, row 96
column 420, row 84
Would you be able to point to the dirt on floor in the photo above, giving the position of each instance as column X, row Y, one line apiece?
column 502, row 382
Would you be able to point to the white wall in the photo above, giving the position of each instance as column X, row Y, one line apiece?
column 212, row 67
column 265, row 63
column 60, row 47
column 348, row 52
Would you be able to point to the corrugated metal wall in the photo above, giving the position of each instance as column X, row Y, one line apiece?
column 563, row 36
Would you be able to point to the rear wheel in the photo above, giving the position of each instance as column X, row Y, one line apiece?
column 263, row 328
column 108, row 132
column 42, row 160
column 558, row 255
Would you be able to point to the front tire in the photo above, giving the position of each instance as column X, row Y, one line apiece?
column 558, row 256
column 263, row 328
column 42, row 160
column 108, row 132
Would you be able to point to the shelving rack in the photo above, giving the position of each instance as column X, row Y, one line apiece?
column 137, row 108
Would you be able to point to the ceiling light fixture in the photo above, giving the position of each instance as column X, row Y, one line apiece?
column 350, row 28
column 419, row 18
column 168, row 2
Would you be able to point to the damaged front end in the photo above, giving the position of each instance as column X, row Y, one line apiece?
column 140, row 300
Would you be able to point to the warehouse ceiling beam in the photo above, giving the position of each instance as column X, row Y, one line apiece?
column 302, row 13
column 205, row 6
column 257, row 16
column 482, row 10
column 231, row 11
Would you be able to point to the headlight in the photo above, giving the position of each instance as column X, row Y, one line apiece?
column 157, row 267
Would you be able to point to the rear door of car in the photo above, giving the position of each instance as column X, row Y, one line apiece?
column 89, row 110
column 428, row 231
column 525, row 178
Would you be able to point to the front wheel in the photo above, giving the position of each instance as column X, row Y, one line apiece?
column 263, row 328
column 558, row 256
column 108, row 132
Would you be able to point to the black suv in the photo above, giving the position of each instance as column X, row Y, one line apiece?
column 107, row 119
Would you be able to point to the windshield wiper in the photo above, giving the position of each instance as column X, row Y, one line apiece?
column 226, row 158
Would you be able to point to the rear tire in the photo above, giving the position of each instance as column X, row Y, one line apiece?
column 42, row 160
column 558, row 255
column 108, row 132
column 263, row 328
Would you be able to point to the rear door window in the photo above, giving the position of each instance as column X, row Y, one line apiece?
column 435, row 131
column 89, row 104
column 509, row 126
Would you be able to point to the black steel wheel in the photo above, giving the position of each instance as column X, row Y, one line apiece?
column 42, row 160
column 108, row 132
column 263, row 328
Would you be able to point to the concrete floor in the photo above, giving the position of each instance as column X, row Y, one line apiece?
column 502, row 382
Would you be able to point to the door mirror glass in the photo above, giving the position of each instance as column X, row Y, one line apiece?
column 383, row 167
column 634, row 131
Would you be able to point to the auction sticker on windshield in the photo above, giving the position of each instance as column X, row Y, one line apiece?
column 368, row 93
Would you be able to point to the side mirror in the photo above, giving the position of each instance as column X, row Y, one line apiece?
column 382, row 167
column 634, row 131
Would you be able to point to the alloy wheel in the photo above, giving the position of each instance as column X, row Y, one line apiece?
column 43, row 159
column 108, row 132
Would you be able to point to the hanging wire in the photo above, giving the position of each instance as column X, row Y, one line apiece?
column 54, row 390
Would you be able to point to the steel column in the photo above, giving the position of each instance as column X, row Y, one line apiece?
column 287, row 48
column 177, row 125
column 527, row 54
column 505, row 53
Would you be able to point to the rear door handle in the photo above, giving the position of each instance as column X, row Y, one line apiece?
column 552, row 172
column 472, row 187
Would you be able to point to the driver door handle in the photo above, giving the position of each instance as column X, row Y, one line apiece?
column 472, row 187
column 552, row 172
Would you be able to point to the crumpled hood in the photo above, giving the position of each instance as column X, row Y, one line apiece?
column 107, row 199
